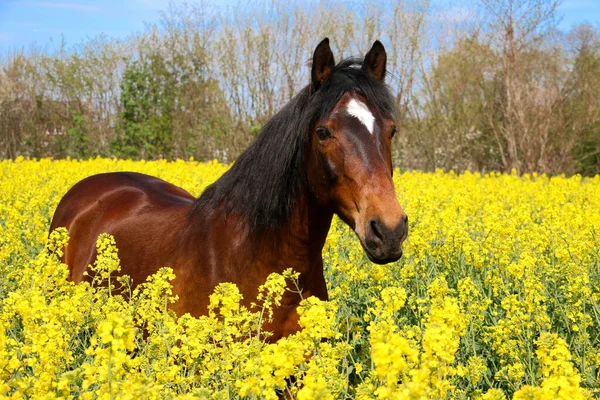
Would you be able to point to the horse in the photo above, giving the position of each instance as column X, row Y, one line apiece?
column 326, row 152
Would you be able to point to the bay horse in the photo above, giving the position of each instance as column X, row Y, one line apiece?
column 328, row 151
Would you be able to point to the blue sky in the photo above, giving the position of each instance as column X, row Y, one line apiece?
column 23, row 22
column 44, row 22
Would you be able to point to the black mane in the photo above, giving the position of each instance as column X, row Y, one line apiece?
column 266, row 179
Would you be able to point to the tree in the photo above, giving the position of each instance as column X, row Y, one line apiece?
column 583, row 105
column 529, row 92
column 147, row 98
column 454, row 132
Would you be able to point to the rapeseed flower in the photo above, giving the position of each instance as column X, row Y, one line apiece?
column 497, row 297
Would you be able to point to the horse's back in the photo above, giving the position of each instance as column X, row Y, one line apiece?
column 141, row 211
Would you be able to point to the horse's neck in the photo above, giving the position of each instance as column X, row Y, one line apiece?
column 298, row 244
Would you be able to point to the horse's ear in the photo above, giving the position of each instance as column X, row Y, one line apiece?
column 375, row 61
column 322, row 64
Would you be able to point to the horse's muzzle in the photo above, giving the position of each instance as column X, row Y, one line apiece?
column 383, row 244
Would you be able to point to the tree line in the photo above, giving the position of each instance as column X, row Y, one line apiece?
column 481, row 85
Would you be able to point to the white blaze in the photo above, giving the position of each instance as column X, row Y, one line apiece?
column 359, row 110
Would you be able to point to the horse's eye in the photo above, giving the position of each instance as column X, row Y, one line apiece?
column 323, row 133
column 394, row 130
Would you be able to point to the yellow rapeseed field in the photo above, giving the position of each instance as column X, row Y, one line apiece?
column 496, row 297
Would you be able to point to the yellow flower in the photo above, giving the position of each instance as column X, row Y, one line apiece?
column 493, row 264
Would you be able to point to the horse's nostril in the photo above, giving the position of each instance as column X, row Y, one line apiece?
column 405, row 219
column 375, row 229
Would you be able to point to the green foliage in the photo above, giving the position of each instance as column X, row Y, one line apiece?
column 587, row 152
column 147, row 99
column 79, row 136
column 254, row 130
column 584, row 106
